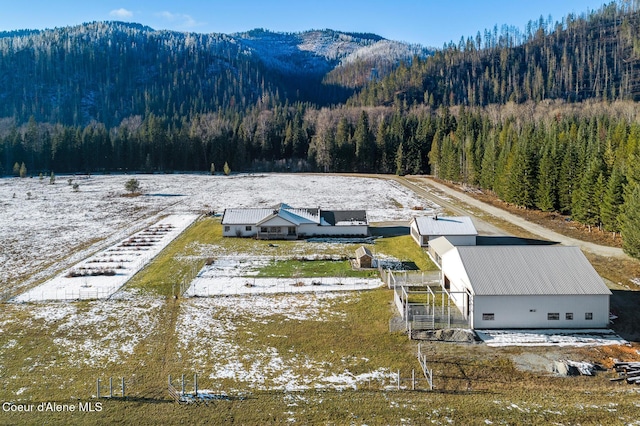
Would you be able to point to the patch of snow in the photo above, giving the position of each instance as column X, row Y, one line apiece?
column 207, row 327
column 553, row 337
column 229, row 275
column 106, row 332
column 101, row 275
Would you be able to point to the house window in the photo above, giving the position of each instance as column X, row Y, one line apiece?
column 247, row 228
column 227, row 228
column 568, row 316
column 553, row 316
column 488, row 317
column 292, row 230
column 264, row 229
column 588, row 316
column 274, row 229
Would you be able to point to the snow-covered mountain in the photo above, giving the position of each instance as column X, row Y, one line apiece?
column 324, row 50
column 105, row 71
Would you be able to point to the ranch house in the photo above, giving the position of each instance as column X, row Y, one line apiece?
column 459, row 231
column 525, row 287
column 285, row 222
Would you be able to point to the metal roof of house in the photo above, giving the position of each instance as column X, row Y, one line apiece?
column 441, row 245
column 437, row 225
column 245, row 216
column 297, row 216
column 529, row 270
column 294, row 216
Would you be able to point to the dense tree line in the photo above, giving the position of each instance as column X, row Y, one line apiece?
column 593, row 56
column 584, row 164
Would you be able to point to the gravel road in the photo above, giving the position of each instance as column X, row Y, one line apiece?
column 432, row 190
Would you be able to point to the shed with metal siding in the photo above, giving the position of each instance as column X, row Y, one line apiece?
column 526, row 287
column 458, row 229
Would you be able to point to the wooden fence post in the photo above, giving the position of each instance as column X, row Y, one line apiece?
column 195, row 385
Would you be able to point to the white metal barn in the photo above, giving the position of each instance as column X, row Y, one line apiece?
column 460, row 231
column 286, row 222
column 525, row 287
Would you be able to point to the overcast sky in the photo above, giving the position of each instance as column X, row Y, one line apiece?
column 427, row 22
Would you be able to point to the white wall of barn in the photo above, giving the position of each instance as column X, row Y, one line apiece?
column 532, row 311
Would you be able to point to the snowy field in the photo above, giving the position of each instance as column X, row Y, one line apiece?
column 209, row 326
column 46, row 228
column 576, row 338
column 232, row 275
column 101, row 275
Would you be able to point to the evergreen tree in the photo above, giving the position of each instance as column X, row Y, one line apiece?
column 132, row 185
column 522, row 184
column 612, row 201
column 212, row 169
column 400, row 170
column 52, row 178
column 23, row 171
column 435, row 158
column 547, row 192
column 587, row 197
column 488, row 169
column 16, row 169
column 567, row 178
column 364, row 144
column 631, row 220
column 630, row 227
column 226, row 169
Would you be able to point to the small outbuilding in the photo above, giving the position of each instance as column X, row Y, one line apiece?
column 364, row 258
column 459, row 230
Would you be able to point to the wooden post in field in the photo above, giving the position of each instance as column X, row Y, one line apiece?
column 123, row 387
column 110, row 387
column 413, row 379
column 195, row 385
column 98, row 388
column 398, row 379
column 183, row 384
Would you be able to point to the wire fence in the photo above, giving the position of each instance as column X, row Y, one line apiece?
column 249, row 286
column 68, row 294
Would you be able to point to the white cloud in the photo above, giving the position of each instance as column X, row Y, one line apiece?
column 121, row 13
column 181, row 20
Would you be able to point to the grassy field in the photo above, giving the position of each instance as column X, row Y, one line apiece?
column 276, row 356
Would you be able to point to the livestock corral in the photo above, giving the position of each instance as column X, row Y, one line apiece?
column 275, row 332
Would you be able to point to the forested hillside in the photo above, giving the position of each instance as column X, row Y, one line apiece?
column 546, row 119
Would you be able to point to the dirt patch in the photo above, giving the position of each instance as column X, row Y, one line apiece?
column 457, row 335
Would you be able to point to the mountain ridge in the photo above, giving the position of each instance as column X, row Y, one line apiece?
column 107, row 70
